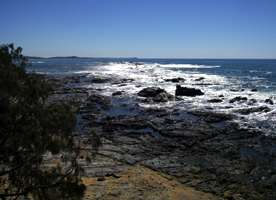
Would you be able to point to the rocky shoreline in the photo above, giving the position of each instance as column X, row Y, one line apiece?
column 201, row 149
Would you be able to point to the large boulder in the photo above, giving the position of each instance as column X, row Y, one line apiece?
column 163, row 97
column 150, row 92
column 184, row 91
column 269, row 101
column 175, row 80
column 118, row 93
column 238, row 99
column 155, row 94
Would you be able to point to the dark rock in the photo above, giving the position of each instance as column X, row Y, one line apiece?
column 123, row 81
column 203, row 84
column 96, row 101
column 150, row 92
column 101, row 179
column 236, row 90
column 269, row 101
column 163, row 97
column 175, row 80
column 254, row 90
column 155, row 94
column 184, row 91
column 212, row 117
column 127, row 80
column 238, row 99
column 100, row 80
column 247, row 111
column 215, row 100
column 125, row 123
column 113, row 175
column 138, row 63
column 203, row 149
column 122, row 85
column 200, row 79
column 252, row 101
column 117, row 93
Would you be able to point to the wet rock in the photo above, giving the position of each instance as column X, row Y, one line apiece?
column 155, row 94
column 200, row 79
column 175, row 80
column 118, row 93
column 123, row 81
column 125, row 123
column 269, row 101
column 96, row 101
column 100, row 80
column 212, row 117
column 252, row 101
column 200, row 148
column 150, row 92
column 247, row 111
column 254, row 90
column 122, row 85
column 204, row 84
column 238, row 99
column 127, row 80
column 236, row 90
column 184, row 91
column 215, row 100
column 163, row 97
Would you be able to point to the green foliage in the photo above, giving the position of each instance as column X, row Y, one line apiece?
column 30, row 129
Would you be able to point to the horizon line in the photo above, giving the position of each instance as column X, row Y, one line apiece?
column 134, row 57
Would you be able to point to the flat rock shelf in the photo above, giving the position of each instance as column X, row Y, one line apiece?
column 148, row 151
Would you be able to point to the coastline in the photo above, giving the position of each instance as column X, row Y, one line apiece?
column 201, row 149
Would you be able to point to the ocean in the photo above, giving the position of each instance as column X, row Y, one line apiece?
column 222, row 79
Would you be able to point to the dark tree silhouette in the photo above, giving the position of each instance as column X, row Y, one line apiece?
column 30, row 131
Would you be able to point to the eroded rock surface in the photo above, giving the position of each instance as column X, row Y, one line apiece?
column 200, row 149
column 155, row 94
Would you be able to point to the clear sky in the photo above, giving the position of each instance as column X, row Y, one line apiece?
column 141, row 28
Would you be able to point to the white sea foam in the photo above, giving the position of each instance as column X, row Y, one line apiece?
column 186, row 66
column 154, row 74
column 259, row 71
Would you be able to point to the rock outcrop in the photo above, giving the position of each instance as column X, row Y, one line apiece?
column 215, row 100
column 155, row 94
column 269, row 101
column 201, row 149
column 238, row 99
column 247, row 111
column 175, row 80
column 190, row 92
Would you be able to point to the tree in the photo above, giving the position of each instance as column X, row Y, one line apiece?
column 30, row 131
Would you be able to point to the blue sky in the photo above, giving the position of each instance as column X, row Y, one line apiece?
column 141, row 28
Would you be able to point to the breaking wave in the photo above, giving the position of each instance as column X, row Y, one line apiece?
column 188, row 66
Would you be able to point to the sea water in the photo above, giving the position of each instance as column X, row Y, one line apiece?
column 217, row 78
